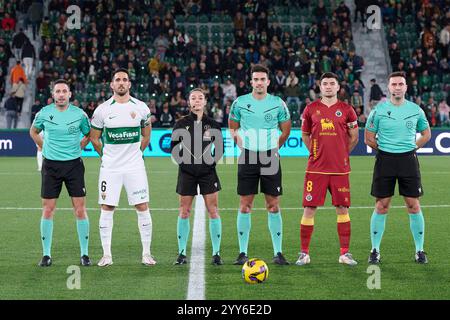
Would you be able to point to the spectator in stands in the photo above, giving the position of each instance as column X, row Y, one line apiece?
column 444, row 38
column 239, row 21
column 430, row 110
column 90, row 108
column 444, row 111
column 279, row 83
column 229, row 91
column 414, row 90
column 154, row 113
column 34, row 16
column 343, row 95
column 166, row 119
column 314, row 91
column 375, row 95
column 18, row 73
column 161, row 45
column 11, row 112
column 217, row 113
column 356, row 100
column 361, row 118
column 28, row 56
column 320, row 12
column 17, row 43
column 18, row 90
column 292, row 90
column 35, row 108
column 361, row 9
column 425, row 81
column 8, row 22
column 46, row 28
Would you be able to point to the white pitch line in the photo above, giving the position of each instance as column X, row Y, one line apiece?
column 224, row 209
column 196, row 286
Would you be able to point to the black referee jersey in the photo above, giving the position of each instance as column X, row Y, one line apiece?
column 192, row 144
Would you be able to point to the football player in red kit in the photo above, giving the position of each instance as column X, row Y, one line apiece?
column 330, row 132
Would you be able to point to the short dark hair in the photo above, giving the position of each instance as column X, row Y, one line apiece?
column 260, row 68
column 63, row 81
column 397, row 74
column 119, row 70
column 329, row 75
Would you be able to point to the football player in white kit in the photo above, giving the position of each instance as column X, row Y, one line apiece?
column 124, row 123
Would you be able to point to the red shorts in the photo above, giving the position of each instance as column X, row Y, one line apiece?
column 316, row 185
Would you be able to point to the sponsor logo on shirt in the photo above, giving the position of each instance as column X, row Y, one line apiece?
column 327, row 124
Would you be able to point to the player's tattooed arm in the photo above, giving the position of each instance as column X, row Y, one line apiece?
column 84, row 142
column 145, row 132
column 94, row 136
column 353, row 138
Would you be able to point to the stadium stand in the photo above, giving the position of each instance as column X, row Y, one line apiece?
column 171, row 47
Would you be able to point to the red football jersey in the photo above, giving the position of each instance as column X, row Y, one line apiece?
column 329, row 128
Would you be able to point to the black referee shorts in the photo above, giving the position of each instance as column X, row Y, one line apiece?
column 390, row 167
column 259, row 168
column 187, row 183
column 54, row 173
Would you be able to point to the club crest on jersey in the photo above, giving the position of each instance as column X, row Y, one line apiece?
column 327, row 124
column 409, row 124
column 103, row 195
column 308, row 197
column 338, row 113
column 133, row 114
column 268, row 117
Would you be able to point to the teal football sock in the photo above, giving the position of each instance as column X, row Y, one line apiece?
column 183, row 229
column 377, row 225
column 46, row 236
column 83, row 236
column 244, row 224
column 417, row 225
column 276, row 228
column 215, row 231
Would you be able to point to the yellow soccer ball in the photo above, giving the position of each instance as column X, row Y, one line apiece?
column 255, row 271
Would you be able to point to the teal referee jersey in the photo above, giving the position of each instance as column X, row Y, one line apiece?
column 259, row 120
column 396, row 126
column 62, row 131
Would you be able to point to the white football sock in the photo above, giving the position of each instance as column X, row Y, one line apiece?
column 145, row 229
column 106, row 227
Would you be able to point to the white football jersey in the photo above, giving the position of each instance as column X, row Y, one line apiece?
column 121, row 124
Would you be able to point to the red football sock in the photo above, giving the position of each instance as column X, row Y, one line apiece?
column 344, row 232
column 305, row 236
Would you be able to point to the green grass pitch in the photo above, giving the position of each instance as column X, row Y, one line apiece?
column 324, row 278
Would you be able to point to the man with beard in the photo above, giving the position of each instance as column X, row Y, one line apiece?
column 124, row 122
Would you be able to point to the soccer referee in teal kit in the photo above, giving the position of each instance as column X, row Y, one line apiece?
column 396, row 122
column 255, row 120
column 63, row 125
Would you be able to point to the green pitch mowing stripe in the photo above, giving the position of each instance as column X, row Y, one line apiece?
column 324, row 278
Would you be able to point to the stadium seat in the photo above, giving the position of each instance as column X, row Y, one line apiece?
column 203, row 19
column 191, row 19
column 180, row 19
column 216, row 18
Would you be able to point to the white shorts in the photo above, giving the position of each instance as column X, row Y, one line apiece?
column 110, row 185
